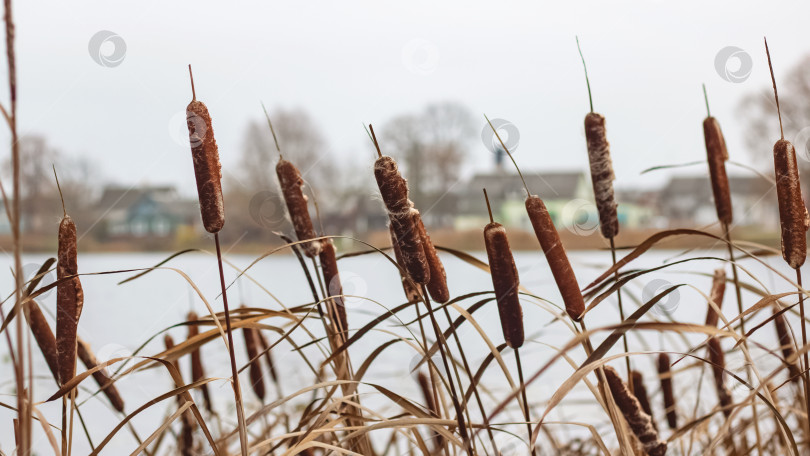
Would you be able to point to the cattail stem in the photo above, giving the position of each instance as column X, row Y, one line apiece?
column 804, row 342
column 237, row 391
column 442, row 342
column 526, row 412
column 738, row 293
column 621, row 314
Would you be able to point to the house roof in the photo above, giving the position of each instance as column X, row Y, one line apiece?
column 556, row 185
column 699, row 187
column 114, row 197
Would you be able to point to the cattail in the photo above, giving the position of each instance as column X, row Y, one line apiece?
column 555, row 255
column 718, row 360
column 255, row 368
column 640, row 391
column 186, row 441
column 437, row 286
column 786, row 344
column 402, row 215
column 792, row 212
column 430, row 403
column 69, row 300
column 336, row 307
column 716, row 296
column 793, row 216
column 267, row 356
column 640, row 422
column 505, row 280
column 44, row 336
column 411, row 291
column 292, row 189
column 104, row 382
column 602, row 175
column 197, row 371
column 207, row 169
column 717, row 155
column 665, row 374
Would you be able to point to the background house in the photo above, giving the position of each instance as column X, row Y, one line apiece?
column 155, row 212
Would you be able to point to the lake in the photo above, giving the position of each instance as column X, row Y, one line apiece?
column 118, row 318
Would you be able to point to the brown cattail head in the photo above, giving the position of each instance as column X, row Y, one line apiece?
column 292, row 185
column 792, row 211
column 197, row 370
column 207, row 169
column 437, row 286
column 718, row 360
column 640, row 422
column 411, row 291
column 665, row 373
column 786, row 344
column 255, row 368
column 44, row 337
column 267, row 356
column 640, row 391
column 716, row 296
column 394, row 191
column 104, row 382
column 336, row 308
column 506, row 283
column 69, row 300
column 555, row 255
column 717, row 154
column 601, row 173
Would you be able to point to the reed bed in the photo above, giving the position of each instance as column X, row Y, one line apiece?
column 336, row 380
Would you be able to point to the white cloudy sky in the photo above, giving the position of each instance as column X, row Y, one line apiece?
column 347, row 65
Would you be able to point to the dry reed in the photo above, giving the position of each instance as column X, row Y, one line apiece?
column 69, row 300
column 640, row 422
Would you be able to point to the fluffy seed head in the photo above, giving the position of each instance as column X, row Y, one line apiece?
column 411, row 291
column 602, row 175
column 437, row 286
column 640, row 422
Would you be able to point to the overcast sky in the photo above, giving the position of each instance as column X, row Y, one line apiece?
column 512, row 60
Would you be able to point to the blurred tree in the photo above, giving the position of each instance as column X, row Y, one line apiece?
column 40, row 205
column 761, row 123
column 430, row 146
